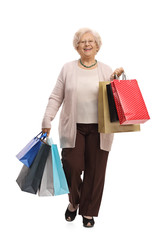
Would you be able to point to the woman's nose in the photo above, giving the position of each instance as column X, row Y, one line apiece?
column 86, row 43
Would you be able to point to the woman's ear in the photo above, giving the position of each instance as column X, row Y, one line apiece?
column 77, row 48
column 97, row 47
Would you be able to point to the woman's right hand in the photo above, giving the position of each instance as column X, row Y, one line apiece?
column 46, row 130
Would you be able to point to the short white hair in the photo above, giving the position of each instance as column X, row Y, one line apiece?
column 82, row 31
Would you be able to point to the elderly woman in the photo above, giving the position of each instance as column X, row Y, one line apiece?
column 84, row 149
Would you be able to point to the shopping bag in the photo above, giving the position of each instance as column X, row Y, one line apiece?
column 28, row 153
column 129, row 102
column 46, row 186
column 29, row 178
column 104, row 123
column 112, row 106
column 21, row 177
column 59, row 179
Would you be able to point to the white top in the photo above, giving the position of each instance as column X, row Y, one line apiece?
column 87, row 95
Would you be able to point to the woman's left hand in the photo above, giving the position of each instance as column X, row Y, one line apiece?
column 117, row 72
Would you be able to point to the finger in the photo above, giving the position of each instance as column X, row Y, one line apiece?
column 121, row 70
column 48, row 132
column 116, row 73
column 44, row 130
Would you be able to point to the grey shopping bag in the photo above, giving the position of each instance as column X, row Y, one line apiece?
column 46, row 187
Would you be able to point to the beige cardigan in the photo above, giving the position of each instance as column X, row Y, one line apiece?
column 65, row 92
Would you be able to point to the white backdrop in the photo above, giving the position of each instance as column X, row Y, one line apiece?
column 35, row 42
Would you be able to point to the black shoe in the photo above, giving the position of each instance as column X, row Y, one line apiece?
column 86, row 221
column 71, row 215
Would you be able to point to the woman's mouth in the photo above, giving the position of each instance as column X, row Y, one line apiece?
column 87, row 49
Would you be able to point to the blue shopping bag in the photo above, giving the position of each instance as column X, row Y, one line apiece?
column 59, row 179
column 29, row 152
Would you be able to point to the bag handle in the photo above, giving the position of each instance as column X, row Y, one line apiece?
column 42, row 138
column 43, row 135
column 38, row 134
column 50, row 141
column 123, row 76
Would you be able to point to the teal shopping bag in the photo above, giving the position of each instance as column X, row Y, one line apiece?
column 59, row 179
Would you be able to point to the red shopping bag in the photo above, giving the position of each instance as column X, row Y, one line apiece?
column 129, row 102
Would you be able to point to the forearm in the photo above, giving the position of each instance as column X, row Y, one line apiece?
column 54, row 103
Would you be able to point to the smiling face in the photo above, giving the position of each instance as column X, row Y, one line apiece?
column 87, row 47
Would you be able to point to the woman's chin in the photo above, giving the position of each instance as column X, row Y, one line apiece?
column 88, row 54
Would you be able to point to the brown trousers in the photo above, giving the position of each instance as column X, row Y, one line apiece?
column 88, row 157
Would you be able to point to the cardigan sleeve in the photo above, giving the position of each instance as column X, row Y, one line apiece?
column 110, row 72
column 55, row 101
column 106, row 71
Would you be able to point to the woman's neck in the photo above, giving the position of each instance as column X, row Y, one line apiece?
column 87, row 61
